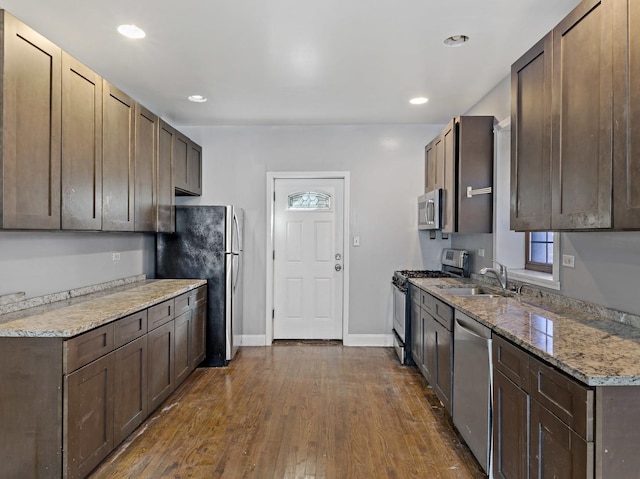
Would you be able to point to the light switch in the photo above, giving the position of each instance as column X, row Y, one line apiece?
column 568, row 261
column 356, row 241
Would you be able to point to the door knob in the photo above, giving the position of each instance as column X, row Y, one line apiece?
column 338, row 267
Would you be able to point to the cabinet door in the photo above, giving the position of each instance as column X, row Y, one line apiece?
column 474, row 169
column 31, row 129
column 166, row 209
column 118, row 164
column 146, row 144
column 444, row 353
column 531, row 138
column 194, row 169
column 416, row 334
column 130, row 399
column 160, row 364
column 182, row 346
column 198, row 335
column 582, row 118
column 510, row 429
column 556, row 450
column 447, row 157
column 181, row 145
column 88, row 412
column 429, row 356
column 626, row 110
column 81, row 146
column 433, row 166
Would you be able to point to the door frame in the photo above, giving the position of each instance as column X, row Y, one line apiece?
column 271, row 188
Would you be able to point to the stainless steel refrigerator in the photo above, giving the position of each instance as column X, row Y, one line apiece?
column 207, row 244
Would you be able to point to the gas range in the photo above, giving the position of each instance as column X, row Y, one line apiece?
column 401, row 277
column 455, row 263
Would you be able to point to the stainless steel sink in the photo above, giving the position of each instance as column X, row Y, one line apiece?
column 474, row 292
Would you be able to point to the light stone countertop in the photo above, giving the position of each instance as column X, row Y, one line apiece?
column 596, row 351
column 64, row 319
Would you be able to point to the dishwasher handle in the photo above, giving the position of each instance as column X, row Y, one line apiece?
column 473, row 328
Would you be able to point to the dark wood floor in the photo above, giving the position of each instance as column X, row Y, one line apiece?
column 298, row 411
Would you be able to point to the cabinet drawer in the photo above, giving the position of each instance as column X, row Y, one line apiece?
column 190, row 300
column 443, row 313
column 569, row 400
column 87, row 347
column 130, row 328
column 427, row 302
column 161, row 313
column 511, row 361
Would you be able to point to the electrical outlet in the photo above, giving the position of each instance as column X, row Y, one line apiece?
column 481, row 252
column 115, row 256
column 568, row 261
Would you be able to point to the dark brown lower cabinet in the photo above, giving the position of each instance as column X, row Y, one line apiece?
column 161, row 376
column 428, row 347
column 543, row 427
column 198, row 335
column 555, row 449
column 444, row 354
column 417, row 350
column 88, row 408
column 130, row 399
column 183, row 346
column 66, row 403
column 510, row 429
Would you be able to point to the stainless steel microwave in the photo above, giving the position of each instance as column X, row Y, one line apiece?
column 430, row 210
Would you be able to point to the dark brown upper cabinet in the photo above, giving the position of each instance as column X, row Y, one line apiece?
column 458, row 159
column 118, row 162
column 81, row 146
column 626, row 111
column 582, row 118
column 531, row 138
column 166, row 210
column 194, row 168
column 572, row 69
column 187, row 166
column 31, row 128
column 146, row 151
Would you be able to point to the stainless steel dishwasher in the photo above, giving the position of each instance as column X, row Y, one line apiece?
column 472, row 382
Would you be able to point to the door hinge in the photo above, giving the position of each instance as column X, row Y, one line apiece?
column 273, row 314
column 274, row 196
column 274, row 254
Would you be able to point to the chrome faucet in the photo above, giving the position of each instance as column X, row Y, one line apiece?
column 500, row 273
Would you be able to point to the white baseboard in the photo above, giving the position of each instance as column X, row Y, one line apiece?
column 379, row 340
column 253, row 340
column 376, row 340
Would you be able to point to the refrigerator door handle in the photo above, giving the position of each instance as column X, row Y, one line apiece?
column 235, row 248
column 235, row 264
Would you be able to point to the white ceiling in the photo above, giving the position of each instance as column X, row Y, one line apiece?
column 273, row 62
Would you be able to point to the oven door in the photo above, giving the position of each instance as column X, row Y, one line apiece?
column 399, row 313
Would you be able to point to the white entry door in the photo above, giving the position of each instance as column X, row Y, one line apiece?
column 308, row 242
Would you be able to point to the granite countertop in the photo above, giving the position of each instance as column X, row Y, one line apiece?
column 64, row 319
column 596, row 351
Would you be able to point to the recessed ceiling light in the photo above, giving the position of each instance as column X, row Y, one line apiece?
column 197, row 98
column 456, row 40
column 131, row 31
column 419, row 100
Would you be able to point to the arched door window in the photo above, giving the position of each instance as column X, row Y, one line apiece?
column 309, row 200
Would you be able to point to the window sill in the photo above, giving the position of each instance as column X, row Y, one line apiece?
column 536, row 278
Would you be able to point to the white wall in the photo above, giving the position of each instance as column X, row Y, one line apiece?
column 387, row 175
column 607, row 264
column 39, row 263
